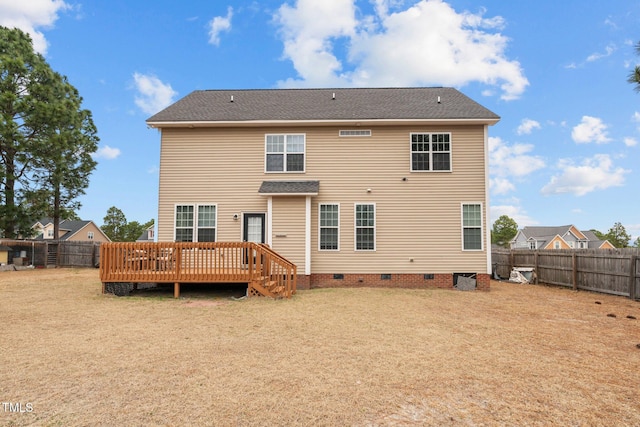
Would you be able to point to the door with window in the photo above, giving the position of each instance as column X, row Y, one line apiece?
column 253, row 230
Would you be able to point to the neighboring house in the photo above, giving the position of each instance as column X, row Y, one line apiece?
column 147, row 235
column 364, row 187
column 561, row 237
column 74, row 231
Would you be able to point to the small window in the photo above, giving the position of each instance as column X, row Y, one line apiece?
column 472, row 227
column 90, row 235
column 329, row 226
column 365, row 219
column 285, row 153
column 430, row 152
column 533, row 245
column 356, row 132
column 556, row 245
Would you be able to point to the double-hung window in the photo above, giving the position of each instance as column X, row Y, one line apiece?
column 430, row 152
column 472, row 227
column 329, row 226
column 365, row 226
column 285, row 153
column 195, row 223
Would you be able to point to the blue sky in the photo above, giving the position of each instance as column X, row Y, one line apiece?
column 565, row 152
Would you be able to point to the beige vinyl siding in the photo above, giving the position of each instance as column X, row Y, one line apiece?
column 288, row 236
column 419, row 218
column 196, row 168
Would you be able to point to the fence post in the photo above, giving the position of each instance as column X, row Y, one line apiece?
column 574, row 266
column 632, row 277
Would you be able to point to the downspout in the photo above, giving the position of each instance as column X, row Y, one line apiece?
column 307, row 236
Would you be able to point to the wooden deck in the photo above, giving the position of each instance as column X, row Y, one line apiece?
column 265, row 272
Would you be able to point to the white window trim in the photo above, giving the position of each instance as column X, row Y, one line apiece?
column 90, row 235
column 304, row 152
column 375, row 227
column 196, row 207
column 430, row 170
column 462, row 227
column 320, row 227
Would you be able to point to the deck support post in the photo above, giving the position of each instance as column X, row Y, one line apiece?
column 176, row 290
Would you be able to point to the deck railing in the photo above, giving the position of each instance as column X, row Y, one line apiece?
column 191, row 262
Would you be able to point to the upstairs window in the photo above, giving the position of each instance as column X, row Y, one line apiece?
column 285, row 153
column 430, row 152
column 90, row 235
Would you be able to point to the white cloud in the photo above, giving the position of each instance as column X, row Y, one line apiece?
column 107, row 152
column 153, row 95
column 513, row 211
column 218, row 25
column 501, row 186
column 512, row 160
column 427, row 44
column 527, row 126
column 30, row 16
column 307, row 30
column 591, row 129
column 636, row 117
column 599, row 55
column 630, row 142
column 596, row 173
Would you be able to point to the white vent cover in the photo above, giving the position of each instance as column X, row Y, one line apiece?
column 356, row 132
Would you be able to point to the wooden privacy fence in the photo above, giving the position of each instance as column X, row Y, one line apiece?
column 53, row 253
column 611, row 271
column 266, row 272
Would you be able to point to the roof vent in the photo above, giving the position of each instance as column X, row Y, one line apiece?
column 333, row 96
column 232, row 99
column 438, row 100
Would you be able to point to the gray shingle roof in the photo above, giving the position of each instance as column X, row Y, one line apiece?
column 289, row 187
column 545, row 232
column 320, row 104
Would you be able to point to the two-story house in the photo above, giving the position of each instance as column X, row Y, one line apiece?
column 358, row 187
column 557, row 237
column 70, row 230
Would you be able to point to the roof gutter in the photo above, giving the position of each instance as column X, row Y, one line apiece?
column 350, row 122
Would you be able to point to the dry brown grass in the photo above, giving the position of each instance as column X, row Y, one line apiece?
column 517, row 355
